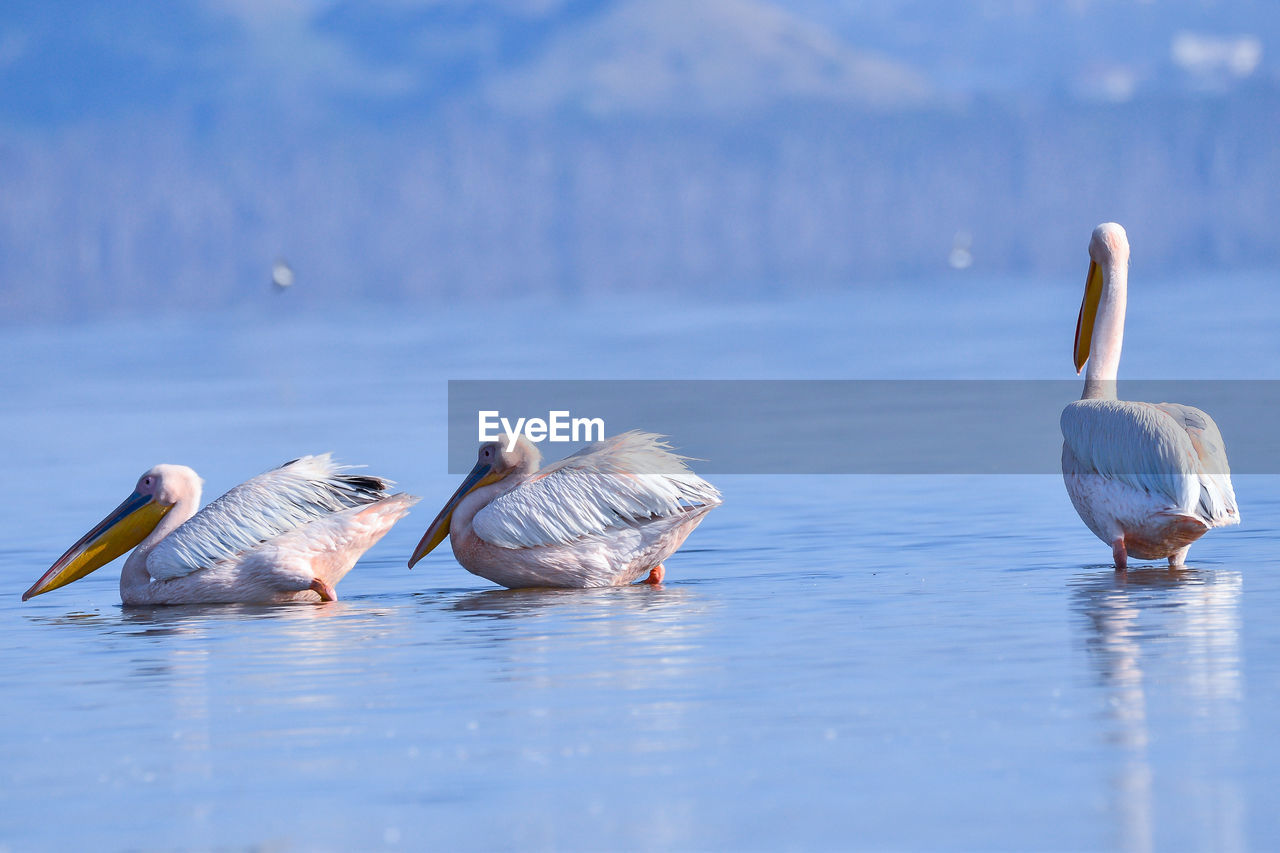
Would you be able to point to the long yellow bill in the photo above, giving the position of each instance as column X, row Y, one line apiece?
column 119, row 532
column 481, row 475
column 1088, row 313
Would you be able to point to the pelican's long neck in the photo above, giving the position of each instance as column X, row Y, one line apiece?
column 1108, row 330
column 135, row 574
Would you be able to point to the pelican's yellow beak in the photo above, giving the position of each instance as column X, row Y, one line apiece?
column 1088, row 312
column 481, row 475
column 120, row 531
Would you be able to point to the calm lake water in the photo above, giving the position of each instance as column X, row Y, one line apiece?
column 835, row 662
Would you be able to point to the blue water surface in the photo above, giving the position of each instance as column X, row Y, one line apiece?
column 835, row 662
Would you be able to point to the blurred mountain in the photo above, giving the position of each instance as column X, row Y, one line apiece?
column 166, row 153
column 721, row 58
column 66, row 59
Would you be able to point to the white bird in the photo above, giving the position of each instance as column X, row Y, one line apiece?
column 1147, row 478
column 605, row 516
column 287, row 535
column 281, row 275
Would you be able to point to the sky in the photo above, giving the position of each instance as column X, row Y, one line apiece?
column 65, row 61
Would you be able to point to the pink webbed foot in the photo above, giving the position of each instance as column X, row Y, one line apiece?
column 326, row 592
column 656, row 574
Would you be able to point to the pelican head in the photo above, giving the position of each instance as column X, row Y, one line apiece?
column 497, row 460
column 157, row 492
column 1108, row 247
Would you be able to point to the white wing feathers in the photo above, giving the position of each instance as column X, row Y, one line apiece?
column 261, row 509
column 1217, row 496
column 1163, row 449
column 624, row 480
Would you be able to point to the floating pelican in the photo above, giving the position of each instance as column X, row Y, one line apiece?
column 287, row 535
column 604, row 516
column 1147, row 478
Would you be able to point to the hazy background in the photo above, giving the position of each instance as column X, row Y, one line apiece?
column 162, row 155
column 637, row 189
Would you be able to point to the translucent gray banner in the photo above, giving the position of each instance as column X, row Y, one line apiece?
column 850, row 426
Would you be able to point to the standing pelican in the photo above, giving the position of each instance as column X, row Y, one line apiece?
column 287, row 535
column 1147, row 478
column 605, row 516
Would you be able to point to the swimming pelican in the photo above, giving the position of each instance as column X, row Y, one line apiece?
column 287, row 535
column 605, row 516
column 1147, row 478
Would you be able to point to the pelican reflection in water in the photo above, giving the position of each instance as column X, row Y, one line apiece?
column 1147, row 478
column 605, row 516
column 1165, row 646
column 287, row 535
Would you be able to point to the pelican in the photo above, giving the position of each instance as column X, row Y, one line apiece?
column 287, row 535
column 605, row 516
column 1147, row 478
